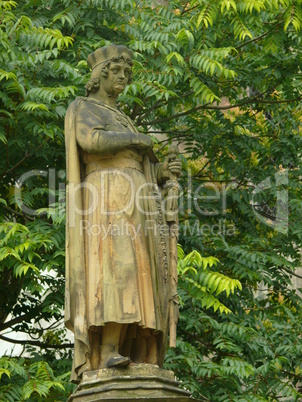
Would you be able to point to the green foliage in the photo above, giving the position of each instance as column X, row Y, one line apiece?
column 223, row 80
column 257, row 346
column 22, row 380
column 203, row 284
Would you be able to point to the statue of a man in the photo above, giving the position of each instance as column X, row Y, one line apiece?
column 117, row 245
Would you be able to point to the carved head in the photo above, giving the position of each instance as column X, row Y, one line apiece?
column 100, row 61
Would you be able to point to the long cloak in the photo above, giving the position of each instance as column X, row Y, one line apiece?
column 76, row 286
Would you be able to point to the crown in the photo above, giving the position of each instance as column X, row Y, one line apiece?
column 106, row 53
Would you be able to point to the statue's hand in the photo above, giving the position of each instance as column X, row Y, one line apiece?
column 170, row 169
column 174, row 167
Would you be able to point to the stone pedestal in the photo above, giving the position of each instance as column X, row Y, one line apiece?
column 137, row 383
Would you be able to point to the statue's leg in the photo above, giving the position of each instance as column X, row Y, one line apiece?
column 138, row 354
column 125, row 342
column 95, row 339
column 109, row 356
column 151, row 356
column 145, row 349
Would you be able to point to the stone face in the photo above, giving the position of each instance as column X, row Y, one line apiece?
column 134, row 383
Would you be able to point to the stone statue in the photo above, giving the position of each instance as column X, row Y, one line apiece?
column 119, row 294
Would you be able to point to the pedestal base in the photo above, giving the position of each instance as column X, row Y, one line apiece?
column 137, row 383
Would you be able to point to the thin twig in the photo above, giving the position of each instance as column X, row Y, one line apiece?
column 186, row 10
column 161, row 102
column 258, row 37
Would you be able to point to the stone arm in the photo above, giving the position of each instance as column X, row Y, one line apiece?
column 104, row 142
column 162, row 175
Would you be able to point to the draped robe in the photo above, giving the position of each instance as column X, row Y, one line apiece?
column 117, row 257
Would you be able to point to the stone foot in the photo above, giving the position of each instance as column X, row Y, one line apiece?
column 111, row 358
column 116, row 360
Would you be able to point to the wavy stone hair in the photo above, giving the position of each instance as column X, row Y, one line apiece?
column 94, row 83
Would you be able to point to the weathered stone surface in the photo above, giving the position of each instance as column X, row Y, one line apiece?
column 121, row 297
column 132, row 384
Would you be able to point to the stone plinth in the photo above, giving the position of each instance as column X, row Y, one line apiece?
column 132, row 384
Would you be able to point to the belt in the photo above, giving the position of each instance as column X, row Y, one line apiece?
column 115, row 163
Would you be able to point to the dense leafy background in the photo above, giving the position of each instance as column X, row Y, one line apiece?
column 223, row 80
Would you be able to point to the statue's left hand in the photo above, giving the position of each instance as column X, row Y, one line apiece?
column 170, row 169
column 174, row 167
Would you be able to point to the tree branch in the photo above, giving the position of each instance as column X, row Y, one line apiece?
column 160, row 103
column 203, row 168
column 186, row 10
column 227, row 107
column 199, row 339
column 37, row 343
column 17, row 320
column 174, row 132
column 298, row 377
column 26, row 156
column 12, row 211
column 291, row 272
column 258, row 37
